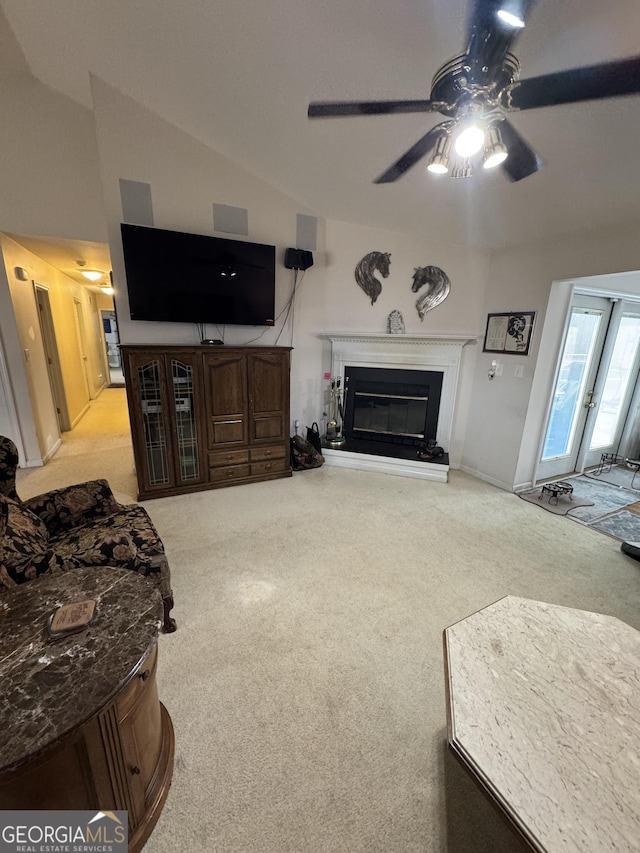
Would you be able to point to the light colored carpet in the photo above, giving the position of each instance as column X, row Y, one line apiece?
column 305, row 680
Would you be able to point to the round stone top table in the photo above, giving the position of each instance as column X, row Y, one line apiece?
column 50, row 687
column 82, row 726
column 544, row 710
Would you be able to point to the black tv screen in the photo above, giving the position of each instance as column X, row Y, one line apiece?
column 192, row 278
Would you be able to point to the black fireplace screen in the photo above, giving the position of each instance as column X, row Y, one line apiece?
column 390, row 405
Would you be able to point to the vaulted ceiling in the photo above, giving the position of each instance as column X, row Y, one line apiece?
column 239, row 76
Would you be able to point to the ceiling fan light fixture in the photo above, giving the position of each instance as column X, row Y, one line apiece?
column 495, row 151
column 439, row 161
column 511, row 18
column 469, row 141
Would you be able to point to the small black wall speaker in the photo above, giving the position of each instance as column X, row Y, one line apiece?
column 298, row 259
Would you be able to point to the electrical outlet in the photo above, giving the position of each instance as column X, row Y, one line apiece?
column 519, row 371
column 498, row 369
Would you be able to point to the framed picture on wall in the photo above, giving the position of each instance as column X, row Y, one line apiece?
column 509, row 332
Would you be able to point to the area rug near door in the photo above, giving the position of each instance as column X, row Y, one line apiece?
column 604, row 505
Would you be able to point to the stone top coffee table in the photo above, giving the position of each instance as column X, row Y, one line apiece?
column 544, row 710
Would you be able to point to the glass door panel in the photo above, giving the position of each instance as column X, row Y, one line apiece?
column 155, row 436
column 585, row 335
column 571, row 383
column 186, row 432
column 615, row 388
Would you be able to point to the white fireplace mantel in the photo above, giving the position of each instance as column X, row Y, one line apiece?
column 438, row 353
column 385, row 338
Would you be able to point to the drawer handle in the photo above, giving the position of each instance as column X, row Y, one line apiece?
column 144, row 675
column 229, row 473
column 268, row 466
column 268, row 453
column 229, row 457
column 135, row 771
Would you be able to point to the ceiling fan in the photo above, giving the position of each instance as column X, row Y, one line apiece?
column 479, row 88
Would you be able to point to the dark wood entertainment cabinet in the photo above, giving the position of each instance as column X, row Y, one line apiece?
column 203, row 417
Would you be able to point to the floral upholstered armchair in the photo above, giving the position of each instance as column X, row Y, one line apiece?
column 75, row 527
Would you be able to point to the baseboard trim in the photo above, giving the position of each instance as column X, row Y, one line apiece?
column 500, row 484
column 77, row 420
column 52, row 451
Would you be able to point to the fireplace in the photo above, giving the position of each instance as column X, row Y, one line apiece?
column 383, row 430
column 389, row 407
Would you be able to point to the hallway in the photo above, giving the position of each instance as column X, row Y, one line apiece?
column 98, row 447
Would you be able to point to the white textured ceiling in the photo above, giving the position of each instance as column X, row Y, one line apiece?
column 239, row 76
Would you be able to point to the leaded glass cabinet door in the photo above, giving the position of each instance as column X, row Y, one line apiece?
column 184, row 391
column 149, row 411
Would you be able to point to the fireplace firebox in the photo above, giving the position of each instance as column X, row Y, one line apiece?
column 387, row 407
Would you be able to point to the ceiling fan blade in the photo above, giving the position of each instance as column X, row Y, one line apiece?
column 522, row 160
column 588, row 83
column 340, row 109
column 490, row 38
column 411, row 157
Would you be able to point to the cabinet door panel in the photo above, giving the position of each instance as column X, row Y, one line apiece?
column 267, row 427
column 183, row 379
column 149, row 407
column 225, row 387
column 268, row 373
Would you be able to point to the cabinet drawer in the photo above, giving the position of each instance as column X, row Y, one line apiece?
column 270, row 466
column 259, row 454
column 228, row 457
column 228, row 472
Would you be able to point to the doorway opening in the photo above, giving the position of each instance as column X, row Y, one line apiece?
column 595, row 384
column 112, row 343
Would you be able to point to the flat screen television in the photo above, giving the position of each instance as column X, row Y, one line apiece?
column 192, row 278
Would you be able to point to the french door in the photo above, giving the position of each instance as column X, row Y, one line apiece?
column 594, row 385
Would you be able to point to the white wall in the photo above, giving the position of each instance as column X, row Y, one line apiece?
column 346, row 307
column 49, row 166
column 187, row 177
column 507, row 414
column 49, row 186
column 18, row 421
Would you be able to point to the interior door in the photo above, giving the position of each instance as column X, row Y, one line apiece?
column 575, row 385
column 613, row 387
column 51, row 354
column 82, row 344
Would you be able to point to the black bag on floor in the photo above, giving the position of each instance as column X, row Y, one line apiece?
column 313, row 436
column 304, row 455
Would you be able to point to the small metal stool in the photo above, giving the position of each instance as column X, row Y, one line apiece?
column 607, row 461
column 554, row 490
column 633, row 465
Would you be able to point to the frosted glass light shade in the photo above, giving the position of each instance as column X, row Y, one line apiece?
column 510, row 18
column 496, row 151
column 495, row 159
column 470, row 141
column 92, row 275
